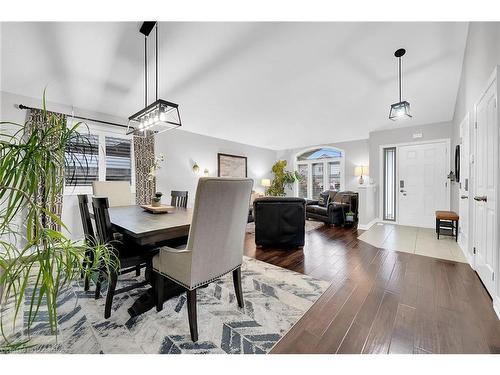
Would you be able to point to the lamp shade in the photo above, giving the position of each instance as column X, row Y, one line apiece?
column 400, row 111
column 360, row 170
column 266, row 182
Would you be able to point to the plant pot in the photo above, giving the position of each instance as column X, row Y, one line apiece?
column 349, row 219
column 155, row 203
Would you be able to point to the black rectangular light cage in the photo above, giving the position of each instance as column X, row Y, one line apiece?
column 400, row 111
column 157, row 117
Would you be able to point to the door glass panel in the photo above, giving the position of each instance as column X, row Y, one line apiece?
column 317, row 180
column 390, row 183
column 334, row 175
column 303, row 183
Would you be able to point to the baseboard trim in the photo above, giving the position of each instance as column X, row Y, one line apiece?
column 367, row 226
column 467, row 255
column 496, row 306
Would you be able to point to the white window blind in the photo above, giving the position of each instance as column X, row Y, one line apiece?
column 100, row 153
column 118, row 159
column 82, row 160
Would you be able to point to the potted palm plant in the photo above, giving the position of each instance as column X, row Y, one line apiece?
column 282, row 180
column 36, row 259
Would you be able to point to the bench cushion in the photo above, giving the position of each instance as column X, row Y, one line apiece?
column 446, row 215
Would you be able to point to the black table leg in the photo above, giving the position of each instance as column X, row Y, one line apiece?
column 146, row 300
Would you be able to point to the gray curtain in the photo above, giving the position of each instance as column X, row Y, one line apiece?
column 144, row 154
column 49, row 196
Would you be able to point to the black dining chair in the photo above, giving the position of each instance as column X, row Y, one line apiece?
column 130, row 256
column 179, row 198
column 89, row 238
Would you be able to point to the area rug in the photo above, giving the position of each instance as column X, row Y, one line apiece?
column 310, row 225
column 275, row 299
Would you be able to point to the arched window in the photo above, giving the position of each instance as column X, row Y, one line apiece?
column 322, row 169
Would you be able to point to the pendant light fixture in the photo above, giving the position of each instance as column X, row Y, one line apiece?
column 161, row 115
column 401, row 109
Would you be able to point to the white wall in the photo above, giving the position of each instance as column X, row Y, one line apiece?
column 442, row 130
column 482, row 54
column 180, row 148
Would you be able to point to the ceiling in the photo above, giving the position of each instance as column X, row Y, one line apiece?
column 275, row 85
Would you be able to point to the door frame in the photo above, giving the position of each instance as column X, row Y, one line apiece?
column 446, row 141
column 469, row 118
column 495, row 75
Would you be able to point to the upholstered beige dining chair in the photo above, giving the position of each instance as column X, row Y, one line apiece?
column 117, row 192
column 215, row 243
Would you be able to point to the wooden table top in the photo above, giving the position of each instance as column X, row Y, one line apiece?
column 146, row 227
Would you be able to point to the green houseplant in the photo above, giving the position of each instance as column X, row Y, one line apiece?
column 36, row 259
column 282, row 180
column 156, row 200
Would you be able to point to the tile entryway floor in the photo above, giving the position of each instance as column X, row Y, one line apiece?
column 421, row 241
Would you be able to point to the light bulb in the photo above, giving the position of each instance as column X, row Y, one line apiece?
column 163, row 116
column 156, row 118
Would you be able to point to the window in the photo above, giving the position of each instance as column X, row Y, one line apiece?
column 99, row 154
column 317, row 179
column 390, row 183
column 334, row 175
column 321, row 168
column 303, row 183
column 82, row 156
column 118, row 161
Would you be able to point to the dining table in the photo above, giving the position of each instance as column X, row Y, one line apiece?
column 151, row 230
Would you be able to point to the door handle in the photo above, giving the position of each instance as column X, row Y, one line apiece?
column 481, row 198
column 464, row 197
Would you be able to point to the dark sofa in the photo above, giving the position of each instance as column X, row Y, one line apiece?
column 333, row 206
column 279, row 222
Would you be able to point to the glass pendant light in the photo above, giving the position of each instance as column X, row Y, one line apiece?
column 161, row 115
column 401, row 109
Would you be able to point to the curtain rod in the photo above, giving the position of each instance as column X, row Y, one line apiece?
column 22, row 106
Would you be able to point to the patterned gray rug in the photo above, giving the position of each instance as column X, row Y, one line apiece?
column 275, row 299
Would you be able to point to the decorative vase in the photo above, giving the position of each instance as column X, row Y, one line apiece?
column 155, row 203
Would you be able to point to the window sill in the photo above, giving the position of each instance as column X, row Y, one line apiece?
column 77, row 190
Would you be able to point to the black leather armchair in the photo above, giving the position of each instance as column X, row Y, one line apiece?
column 332, row 207
column 279, row 222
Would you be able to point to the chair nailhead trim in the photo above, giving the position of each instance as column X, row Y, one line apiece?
column 199, row 284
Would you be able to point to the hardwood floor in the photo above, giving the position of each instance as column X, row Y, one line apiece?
column 384, row 301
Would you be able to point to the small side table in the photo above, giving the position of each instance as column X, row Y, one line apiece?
column 447, row 220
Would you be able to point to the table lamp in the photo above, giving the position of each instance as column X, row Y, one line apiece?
column 359, row 171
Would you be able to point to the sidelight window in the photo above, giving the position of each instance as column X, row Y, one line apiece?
column 389, row 161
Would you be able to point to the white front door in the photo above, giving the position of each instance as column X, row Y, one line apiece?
column 464, row 187
column 422, row 184
column 485, row 181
